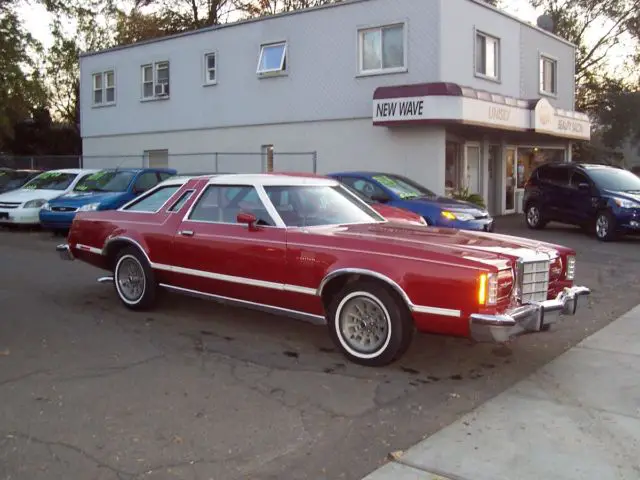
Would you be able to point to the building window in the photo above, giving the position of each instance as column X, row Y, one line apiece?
column 548, row 75
column 210, row 69
column 531, row 158
column 155, row 80
column 453, row 167
column 382, row 49
column 104, row 88
column 487, row 56
column 273, row 58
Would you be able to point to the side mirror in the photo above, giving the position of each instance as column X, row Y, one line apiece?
column 380, row 198
column 248, row 219
column 584, row 187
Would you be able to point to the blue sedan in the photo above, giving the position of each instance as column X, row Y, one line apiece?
column 399, row 191
column 107, row 189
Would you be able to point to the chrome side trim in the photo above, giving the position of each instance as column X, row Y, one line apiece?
column 105, row 279
column 413, row 307
column 88, row 248
column 232, row 279
column 315, row 319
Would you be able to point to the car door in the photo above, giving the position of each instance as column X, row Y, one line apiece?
column 554, row 184
column 579, row 199
column 215, row 254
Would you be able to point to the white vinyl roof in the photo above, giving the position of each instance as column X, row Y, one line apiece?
column 265, row 179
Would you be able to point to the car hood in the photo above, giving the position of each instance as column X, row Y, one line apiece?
column 635, row 197
column 393, row 213
column 25, row 194
column 485, row 248
column 447, row 203
column 78, row 199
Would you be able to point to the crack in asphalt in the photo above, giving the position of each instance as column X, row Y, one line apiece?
column 19, row 378
column 111, row 370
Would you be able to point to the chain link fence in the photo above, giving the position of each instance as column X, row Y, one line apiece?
column 40, row 162
column 185, row 163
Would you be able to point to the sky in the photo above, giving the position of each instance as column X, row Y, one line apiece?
column 37, row 21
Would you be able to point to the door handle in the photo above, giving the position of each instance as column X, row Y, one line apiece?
column 186, row 233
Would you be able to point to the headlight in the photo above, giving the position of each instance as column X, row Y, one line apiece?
column 89, row 207
column 34, row 203
column 624, row 203
column 463, row 217
column 571, row 267
column 46, row 206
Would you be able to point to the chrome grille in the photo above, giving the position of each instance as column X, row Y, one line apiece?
column 9, row 205
column 63, row 209
column 534, row 280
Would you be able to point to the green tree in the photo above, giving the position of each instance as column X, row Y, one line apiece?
column 260, row 8
column 21, row 86
column 185, row 15
column 597, row 27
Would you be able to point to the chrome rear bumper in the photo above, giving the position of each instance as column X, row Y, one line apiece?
column 64, row 251
column 527, row 318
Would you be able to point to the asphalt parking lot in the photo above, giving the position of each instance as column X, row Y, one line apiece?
column 194, row 390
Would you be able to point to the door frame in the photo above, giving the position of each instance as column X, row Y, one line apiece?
column 505, row 210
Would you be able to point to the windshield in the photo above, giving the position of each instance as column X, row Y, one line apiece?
column 51, row 181
column 361, row 196
column 616, row 180
column 312, row 206
column 403, row 187
column 105, row 181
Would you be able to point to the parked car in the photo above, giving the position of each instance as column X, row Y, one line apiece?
column 399, row 191
column 11, row 179
column 599, row 198
column 104, row 190
column 22, row 206
column 393, row 214
column 307, row 248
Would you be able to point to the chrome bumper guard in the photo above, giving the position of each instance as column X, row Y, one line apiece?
column 64, row 251
column 527, row 318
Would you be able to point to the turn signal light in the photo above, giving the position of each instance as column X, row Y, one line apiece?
column 488, row 289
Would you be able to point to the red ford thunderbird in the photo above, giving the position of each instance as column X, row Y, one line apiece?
column 307, row 247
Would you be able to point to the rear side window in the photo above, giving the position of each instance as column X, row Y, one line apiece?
column 155, row 200
column 558, row 176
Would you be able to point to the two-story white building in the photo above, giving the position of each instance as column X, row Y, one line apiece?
column 450, row 93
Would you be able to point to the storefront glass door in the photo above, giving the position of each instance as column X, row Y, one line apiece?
column 510, row 180
column 473, row 169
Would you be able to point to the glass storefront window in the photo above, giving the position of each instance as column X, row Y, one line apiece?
column 473, row 168
column 453, row 166
column 530, row 158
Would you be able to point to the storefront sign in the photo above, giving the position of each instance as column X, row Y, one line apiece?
column 547, row 119
column 452, row 108
column 399, row 109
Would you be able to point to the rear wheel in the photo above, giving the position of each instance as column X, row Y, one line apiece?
column 605, row 227
column 134, row 280
column 534, row 217
column 370, row 323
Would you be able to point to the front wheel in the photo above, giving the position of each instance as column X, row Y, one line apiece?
column 370, row 323
column 134, row 279
column 605, row 227
column 534, row 217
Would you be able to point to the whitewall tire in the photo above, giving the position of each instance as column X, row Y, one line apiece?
column 133, row 279
column 370, row 323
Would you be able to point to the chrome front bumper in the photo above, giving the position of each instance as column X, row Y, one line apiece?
column 527, row 318
column 64, row 251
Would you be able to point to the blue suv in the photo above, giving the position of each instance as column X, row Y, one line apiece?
column 107, row 189
column 601, row 199
column 399, row 191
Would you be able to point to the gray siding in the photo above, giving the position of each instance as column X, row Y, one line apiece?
column 532, row 44
column 321, row 84
column 520, row 47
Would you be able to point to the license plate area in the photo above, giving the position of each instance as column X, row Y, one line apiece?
column 4, row 215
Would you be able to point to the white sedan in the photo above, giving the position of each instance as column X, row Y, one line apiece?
column 22, row 206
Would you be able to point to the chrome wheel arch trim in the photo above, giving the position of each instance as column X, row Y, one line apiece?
column 446, row 312
column 123, row 238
